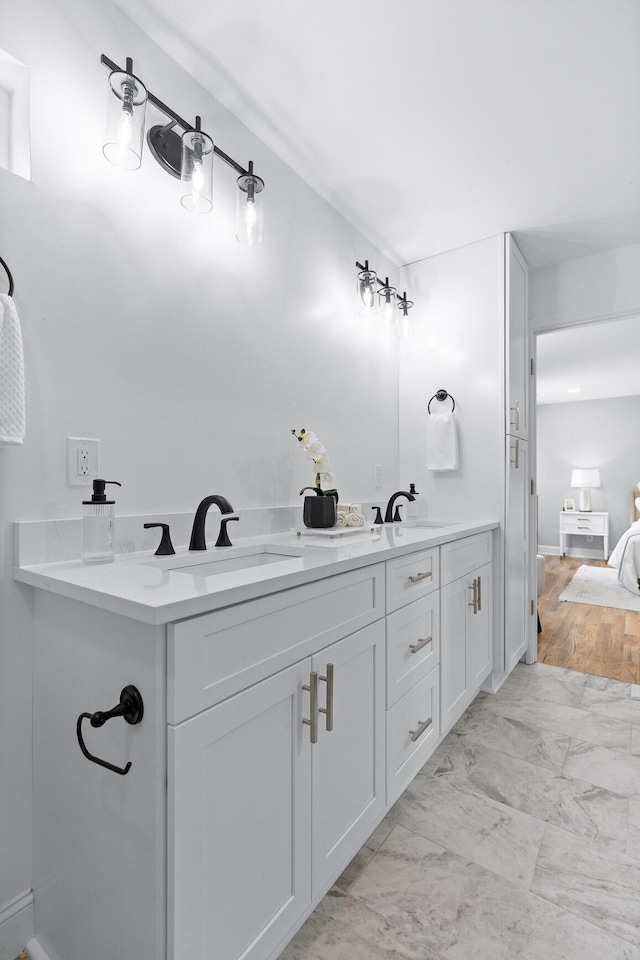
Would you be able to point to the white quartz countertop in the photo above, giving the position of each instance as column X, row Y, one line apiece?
column 159, row 590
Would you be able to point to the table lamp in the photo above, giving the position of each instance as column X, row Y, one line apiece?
column 585, row 479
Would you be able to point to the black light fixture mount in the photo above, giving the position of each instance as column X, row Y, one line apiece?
column 367, row 280
column 168, row 147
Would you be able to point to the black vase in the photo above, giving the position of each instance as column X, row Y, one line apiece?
column 319, row 512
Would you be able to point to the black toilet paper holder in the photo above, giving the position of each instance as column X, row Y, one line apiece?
column 130, row 707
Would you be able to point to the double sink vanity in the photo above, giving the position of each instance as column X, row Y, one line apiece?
column 292, row 687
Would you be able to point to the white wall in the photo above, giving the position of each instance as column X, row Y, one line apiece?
column 597, row 287
column 589, row 433
column 188, row 355
column 456, row 344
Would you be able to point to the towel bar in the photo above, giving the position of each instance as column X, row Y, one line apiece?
column 8, row 272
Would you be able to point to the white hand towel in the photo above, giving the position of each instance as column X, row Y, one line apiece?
column 442, row 442
column 12, row 405
column 354, row 519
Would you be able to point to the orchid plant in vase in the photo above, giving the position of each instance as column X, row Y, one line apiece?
column 317, row 512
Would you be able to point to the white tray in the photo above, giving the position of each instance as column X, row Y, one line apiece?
column 334, row 531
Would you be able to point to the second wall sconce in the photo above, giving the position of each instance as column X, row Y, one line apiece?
column 187, row 156
column 375, row 293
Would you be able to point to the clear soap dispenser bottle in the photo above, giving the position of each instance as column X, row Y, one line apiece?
column 98, row 525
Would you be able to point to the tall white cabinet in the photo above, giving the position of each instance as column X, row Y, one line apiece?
column 470, row 336
column 519, row 489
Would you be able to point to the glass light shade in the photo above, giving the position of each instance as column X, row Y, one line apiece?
column 387, row 297
column 197, row 171
column 126, row 109
column 249, row 209
column 368, row 291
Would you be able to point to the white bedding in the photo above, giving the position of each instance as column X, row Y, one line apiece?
column 626, row 557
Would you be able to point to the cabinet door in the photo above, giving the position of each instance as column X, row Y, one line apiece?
column 349, row 760
column 239, row 822
column 480, row 628
column 518, row 370
column 518, row 590
column 455, row 683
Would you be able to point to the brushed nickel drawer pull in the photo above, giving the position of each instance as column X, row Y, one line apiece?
column 422, row 726
column 420, row 576
column 479, row 594
column 422, row 642
column 312, row 687
column 328, row 710
column 474, row 603
column 516, row 410
column 516, row 462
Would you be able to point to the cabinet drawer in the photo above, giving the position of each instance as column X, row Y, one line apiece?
column 411, row 577
column 462, row 556
column 216, row 655
column 583, row 523
column 413, row 645
column 408, row 748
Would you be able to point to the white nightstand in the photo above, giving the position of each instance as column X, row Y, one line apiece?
column 594, row 524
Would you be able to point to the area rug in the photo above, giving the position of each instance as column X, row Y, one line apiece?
column 599, row 586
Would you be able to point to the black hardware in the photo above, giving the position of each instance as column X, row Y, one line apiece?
column 197, row 541
column 412, row 489
column 403, row 304
column 389, row 516
column 167, row 131
column 223, row 536
column 441, row 395
column 8, row 272
column 378, row 517
column 396, row 515
column 130, row 707
column 166, row 547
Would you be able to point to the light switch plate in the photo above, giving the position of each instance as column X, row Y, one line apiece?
column 83, row 461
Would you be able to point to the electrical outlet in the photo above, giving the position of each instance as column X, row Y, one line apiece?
column 83, row 461
column 377, row 475
column 589, row 539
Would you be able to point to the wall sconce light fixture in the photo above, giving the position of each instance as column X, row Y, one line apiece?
column 374, row 292
column 187, row 156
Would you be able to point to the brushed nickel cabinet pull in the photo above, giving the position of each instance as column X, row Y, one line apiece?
column 420, row 576
column 516, row 462
column 474, row 603
column 312, row 687
column 422, row 726
column 422, row 642
column 328, row 710
column 516, row 411
column 479, row 594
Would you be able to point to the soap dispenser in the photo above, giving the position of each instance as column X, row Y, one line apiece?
column 98, row 523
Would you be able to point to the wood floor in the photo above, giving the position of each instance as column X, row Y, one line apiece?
column 600, row 640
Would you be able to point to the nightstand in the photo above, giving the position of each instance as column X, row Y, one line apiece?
column 593, row 524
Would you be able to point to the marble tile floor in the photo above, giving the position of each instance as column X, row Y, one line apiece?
column 520, row 838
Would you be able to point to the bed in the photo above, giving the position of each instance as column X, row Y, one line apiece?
column 626, row 553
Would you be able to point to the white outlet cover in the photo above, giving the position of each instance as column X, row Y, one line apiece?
column 74, row 445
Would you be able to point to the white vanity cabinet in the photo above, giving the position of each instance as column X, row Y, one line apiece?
column 272, row 790
column 466, row 611
column 413, row 654
column 277, row 731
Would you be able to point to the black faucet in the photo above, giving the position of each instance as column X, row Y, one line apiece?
column 389, row 517
column 197, row 541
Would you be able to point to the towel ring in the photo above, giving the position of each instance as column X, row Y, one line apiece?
column 8, row 272
column 441, row 395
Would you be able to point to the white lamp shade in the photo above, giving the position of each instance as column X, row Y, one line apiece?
column 585, row 477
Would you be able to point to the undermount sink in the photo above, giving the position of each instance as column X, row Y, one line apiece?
column 244, row 558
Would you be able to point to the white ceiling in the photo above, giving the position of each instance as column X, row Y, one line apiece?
column 601, row 359
column 433, row 123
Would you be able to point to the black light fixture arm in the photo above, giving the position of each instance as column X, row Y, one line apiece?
column 175, row 117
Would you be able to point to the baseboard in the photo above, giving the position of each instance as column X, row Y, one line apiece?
column 16, row 924
column 35, row 951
